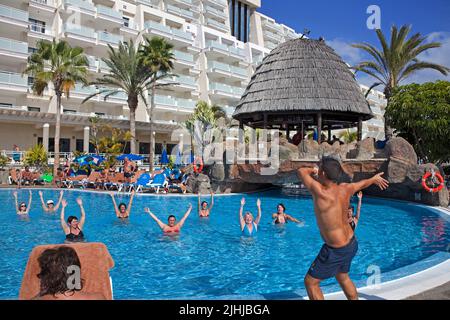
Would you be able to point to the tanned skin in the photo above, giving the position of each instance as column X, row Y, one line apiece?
column 331, row 202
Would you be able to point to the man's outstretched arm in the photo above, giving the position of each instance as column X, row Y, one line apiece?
column 376, row 180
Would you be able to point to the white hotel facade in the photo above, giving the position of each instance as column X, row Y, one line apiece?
column 218, row 44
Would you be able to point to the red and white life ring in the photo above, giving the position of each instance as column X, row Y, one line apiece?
column 435, row 189
column 198, row 165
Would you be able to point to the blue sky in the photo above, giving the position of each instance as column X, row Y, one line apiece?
column 343, row 22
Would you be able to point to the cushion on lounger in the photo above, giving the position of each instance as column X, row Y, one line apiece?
column 96, row 262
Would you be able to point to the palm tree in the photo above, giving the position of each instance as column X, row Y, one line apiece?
column 397, row 60
column 157, row 55
column 127, row 73
column 61, row 65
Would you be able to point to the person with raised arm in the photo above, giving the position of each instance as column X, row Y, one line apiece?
column 50, row 205
column 281, row 217
column 354, row 219
column 122, row 211
column 249, row 226
column 23, row 208
column 73, row 229
column 331, row 200
column 203, row 210
column 171, row 227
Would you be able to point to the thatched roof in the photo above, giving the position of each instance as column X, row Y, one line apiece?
column 303, row 77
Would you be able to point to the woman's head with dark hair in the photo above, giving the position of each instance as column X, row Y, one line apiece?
column 122, row 207
column 204, row 205
column 55, row 272
column 281, row 208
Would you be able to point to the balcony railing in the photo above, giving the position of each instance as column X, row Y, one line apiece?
column 215, row 23
column 13, row 13
column 13, row 79
column 226, row 88
column 80, row 89
column 80, row 30
column 186, row 80
column 168, row 30
column 180, row 55
column 226, row 48
column 83, row 4
column 180, row 11
column 222, row 3
column 110, row 12
column 227, row 68
column 109, row 37
column 174, row 102
column 13, row 46
column 215, row 12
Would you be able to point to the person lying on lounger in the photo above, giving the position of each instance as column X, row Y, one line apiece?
column 73, row 228
column 122, row 211
column 171, row 226
column 56, row 282
column 22, row 209
column 50, row 206
column 203, row 209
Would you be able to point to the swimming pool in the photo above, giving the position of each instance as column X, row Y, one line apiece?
column 210, row 259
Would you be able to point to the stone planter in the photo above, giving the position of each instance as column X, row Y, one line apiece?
column 4, row 174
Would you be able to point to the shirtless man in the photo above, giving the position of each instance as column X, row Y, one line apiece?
column 331, row 202
column 203, row 209
column 128, row 168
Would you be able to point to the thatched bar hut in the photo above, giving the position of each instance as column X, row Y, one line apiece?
column 303, row 84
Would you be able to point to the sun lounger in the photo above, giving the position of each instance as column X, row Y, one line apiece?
column 95, row 259
column 115, row 181
column 159, row 181
column 76, row 181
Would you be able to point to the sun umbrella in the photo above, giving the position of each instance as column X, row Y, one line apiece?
column 88, row 160
column 164, row 158
column 130, row 156
column 178, row 159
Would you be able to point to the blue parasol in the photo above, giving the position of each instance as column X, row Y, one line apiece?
column 178, row 159
column 130, row 156
column 164, row 158
column 88, row 160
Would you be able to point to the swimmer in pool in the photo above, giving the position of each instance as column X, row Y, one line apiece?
column 249, row 226
column 353, row 220
column 50, row 206
column 171, row 227
column 203, row 209
column 22, row 209
column 73, row 228
column 122, row 211
column 281, row 217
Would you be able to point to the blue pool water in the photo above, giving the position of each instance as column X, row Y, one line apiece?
column 210, row 259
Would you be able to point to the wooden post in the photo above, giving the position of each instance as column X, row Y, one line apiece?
column 329, row 133
column 241, row 141
column 319, row 127
column 303, row 130
column 287, row 133
column 359, row 129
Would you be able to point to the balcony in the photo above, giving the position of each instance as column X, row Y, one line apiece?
column 13, row 48
column 13, row 17
column 168, row 32
column 276, row 38
column 80, row 32
column 13, row 81
column 39, row 31
column 109, row 38
column 185, row 83
column 46, row 5
column 174, row 102
column 187, row 14
column 82, row 6
column 186, row 103
column 218, row 3
column 220, row 14
column 221, row 49
column 273, row 26
column 227, row 70
column 150, row 3
column 222, row 26
column 93, row 65
column 225, row 90
column 183, row 56
column 109, row 14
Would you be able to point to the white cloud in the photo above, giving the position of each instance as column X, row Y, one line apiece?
column 344, row 48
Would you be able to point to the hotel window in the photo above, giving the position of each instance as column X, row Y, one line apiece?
column 36, row 25
column 239, row 20
column 126, row 21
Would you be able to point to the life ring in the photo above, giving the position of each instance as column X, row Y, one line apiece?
column 198, row 165
column 436, row 189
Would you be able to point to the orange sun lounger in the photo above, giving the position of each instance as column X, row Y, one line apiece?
column 95, row 260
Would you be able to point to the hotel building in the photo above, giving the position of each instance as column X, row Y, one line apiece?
column 217, row 46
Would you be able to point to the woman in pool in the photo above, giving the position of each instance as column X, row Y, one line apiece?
column 22, row 209
column 73, row 228
column 54, row 276
column 203, row 209
column 249, row 226
column 171, row 227
column 122, row 211
column 50, row 206
column 353, row 220
column 281, row 217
